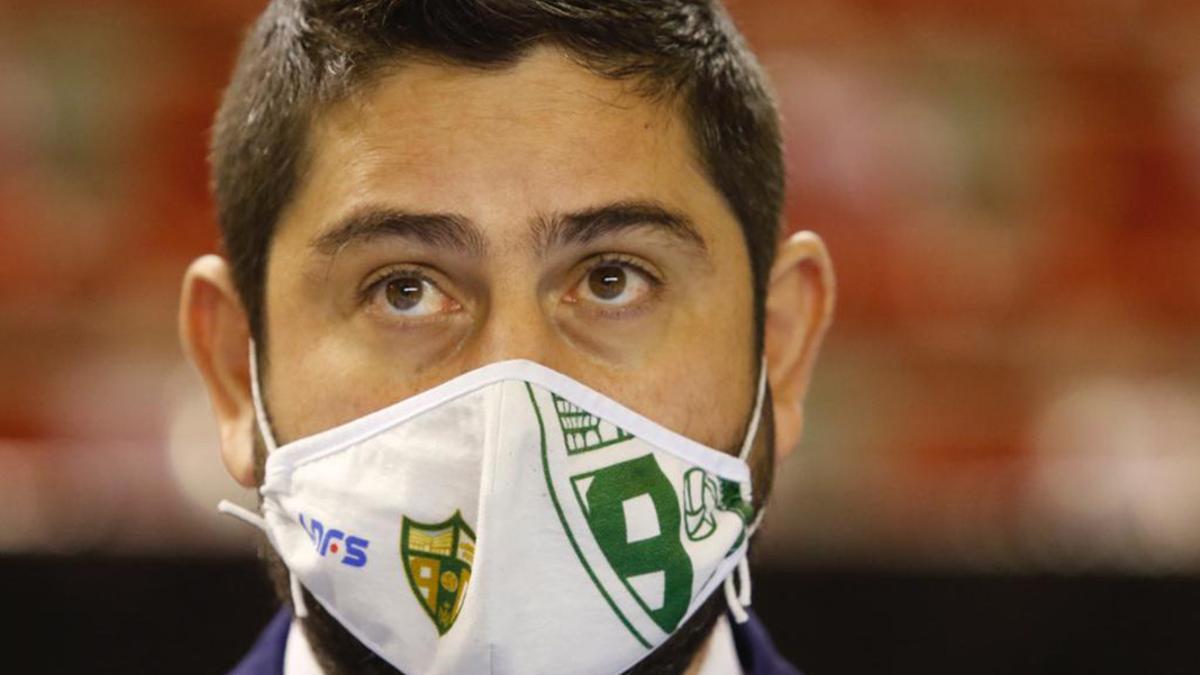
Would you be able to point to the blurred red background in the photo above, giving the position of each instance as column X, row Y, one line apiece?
column 1010, row 191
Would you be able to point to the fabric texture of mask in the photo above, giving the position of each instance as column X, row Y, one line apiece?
column 510, row 520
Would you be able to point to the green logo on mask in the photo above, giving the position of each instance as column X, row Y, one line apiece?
column 583, row 431
column 699, row 504
column 703, row 497
column 621, row 514
column 437, row 561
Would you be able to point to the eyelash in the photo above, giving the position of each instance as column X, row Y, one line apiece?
column 653, row 280
column 627, row 261
column 375, row 281
column 372, row 286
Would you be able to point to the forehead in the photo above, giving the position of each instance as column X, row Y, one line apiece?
column 496, row 145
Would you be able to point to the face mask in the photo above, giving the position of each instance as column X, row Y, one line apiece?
column 510, row 520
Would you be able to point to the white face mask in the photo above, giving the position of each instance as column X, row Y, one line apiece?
column 510, row 520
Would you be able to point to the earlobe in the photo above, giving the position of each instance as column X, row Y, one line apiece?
column 215, row 333
column 799, row 310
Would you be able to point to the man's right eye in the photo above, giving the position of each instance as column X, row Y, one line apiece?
column 410, row 295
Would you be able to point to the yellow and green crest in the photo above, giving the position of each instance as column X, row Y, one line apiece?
column 437, row 560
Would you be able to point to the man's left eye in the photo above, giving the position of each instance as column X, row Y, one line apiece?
column 614, row 284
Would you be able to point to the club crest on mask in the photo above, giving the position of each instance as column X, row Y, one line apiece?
column 704, row 498
column 437, row 560
column 621, row 513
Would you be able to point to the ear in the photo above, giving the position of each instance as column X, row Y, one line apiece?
column 799, row 309
column 216, row 335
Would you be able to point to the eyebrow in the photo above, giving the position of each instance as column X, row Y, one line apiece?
column 582, row 227
column 441, row 230
column 456, row 232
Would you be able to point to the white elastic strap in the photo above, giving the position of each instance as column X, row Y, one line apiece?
column 298, row 604
column 260, row 411
column 744, row 582
column 739, row 599
column 759, row 396
column 254, row 520
column 756, row 522
column 243, row 514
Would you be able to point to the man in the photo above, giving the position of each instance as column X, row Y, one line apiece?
column 580, row 198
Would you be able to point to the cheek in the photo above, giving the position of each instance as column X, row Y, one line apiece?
column 317, row 383
column 320, row 372
column 707, row 401
column 711, row 349
column 702, row 382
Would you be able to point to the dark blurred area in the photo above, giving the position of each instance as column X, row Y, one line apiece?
column 1001, row 472
column 154, row 615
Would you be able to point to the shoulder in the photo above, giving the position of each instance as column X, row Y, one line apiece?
column 756, row 652
column 266, row 656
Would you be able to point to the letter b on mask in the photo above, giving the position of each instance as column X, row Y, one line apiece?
column 634, row 515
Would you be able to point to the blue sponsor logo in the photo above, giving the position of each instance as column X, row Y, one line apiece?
column 350, row 549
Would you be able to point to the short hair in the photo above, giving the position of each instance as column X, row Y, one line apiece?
column 304, row 55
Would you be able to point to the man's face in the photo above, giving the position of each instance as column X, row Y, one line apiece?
column 453, row 217
column 450, row 217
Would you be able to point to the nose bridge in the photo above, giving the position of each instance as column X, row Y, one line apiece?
column 515, row 327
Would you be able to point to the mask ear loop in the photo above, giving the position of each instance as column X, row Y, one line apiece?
column 298, row 602
column 260, row 411
column 737, row 595
column 245, row 515
column 254, row 520
column 760, row 395
column 737, row 600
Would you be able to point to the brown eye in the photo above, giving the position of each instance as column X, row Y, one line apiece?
column 614, row 285
column 607, row 282
column 404, row 293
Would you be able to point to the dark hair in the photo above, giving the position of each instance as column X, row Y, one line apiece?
column 305, row 54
